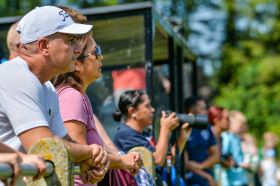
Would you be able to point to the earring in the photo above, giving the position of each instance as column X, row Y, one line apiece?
column 133, row 116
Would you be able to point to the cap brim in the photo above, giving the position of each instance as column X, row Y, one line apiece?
column 76, row 28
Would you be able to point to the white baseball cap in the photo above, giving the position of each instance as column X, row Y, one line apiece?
column 46, row 20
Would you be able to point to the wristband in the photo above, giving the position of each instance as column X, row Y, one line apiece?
column 121, row 153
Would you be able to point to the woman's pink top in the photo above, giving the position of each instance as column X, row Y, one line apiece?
column 75, row 105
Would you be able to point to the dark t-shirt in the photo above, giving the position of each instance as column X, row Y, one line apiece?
column 126, row 138
column 197, row 148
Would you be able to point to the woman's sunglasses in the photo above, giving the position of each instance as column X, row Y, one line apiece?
column 97, row 53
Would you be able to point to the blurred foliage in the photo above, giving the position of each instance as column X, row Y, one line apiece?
column 17, row 7
column 249, row 75
column 94, row 3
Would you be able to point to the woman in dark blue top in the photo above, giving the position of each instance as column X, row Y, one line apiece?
column 137, row 113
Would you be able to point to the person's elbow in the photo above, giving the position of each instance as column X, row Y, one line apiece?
column 31, row 136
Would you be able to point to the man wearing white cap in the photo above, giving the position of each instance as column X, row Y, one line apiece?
column 50, row 42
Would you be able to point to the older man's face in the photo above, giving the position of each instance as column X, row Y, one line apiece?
column 64, row 50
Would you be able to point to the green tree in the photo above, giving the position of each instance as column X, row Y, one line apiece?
column 248, row 77
column 17, row 7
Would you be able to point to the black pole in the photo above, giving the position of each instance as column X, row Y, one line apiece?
column 171, row 63
column 176, row 96
column 172, row 73
column 149, row 56
column 179, row 74
column 194, row 77
column 180, row 99
column 149, row 51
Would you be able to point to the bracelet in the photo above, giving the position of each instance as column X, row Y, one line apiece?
column 121, row 153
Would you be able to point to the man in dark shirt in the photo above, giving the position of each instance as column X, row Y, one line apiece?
column 201, row 149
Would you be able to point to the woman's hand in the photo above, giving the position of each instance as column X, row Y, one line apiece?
column 185, row 131
column 94, row 169
column 169, row 122
column 184, row 134
column 132, row 162
column 92, row 175
column 99, row 156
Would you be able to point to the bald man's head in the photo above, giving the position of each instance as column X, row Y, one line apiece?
column 13, row 40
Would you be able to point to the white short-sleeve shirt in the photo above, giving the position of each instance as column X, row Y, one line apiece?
column 25, row 103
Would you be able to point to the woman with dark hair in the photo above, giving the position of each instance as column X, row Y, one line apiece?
column 136, row 112
column 76, row 109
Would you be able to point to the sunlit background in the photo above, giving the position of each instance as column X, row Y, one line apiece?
column 235, row 45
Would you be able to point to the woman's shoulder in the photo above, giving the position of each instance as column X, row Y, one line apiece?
column 125, row 131
column 68, row 91
column 71, row 97
column 123, row 128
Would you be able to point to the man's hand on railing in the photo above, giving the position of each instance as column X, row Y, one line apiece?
column 38, row 160
column 14, row 160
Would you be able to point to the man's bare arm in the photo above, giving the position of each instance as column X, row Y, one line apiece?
column 80, row 152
